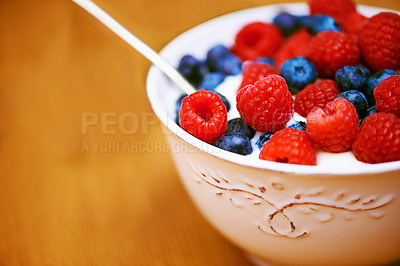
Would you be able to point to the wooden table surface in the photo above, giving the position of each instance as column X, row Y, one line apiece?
column 85, row 178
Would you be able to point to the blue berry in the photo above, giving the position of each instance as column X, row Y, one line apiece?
column 322, row 23
column 220, row 59
column 211, row 80
column 263, row 138
column 299, row 125
column 192, row 69
column 374, row 80
column 231, row 65
column 187, row 64
column 352, row 78
column 177, row 117
column 179, row 100
column 358, row 100
column 298, row 73
column 287, row 23
column 235, row 142
column 215, row 53
column 178, row 107
column 266, row 60
column 238, row 125
column 371, row 110
column 306, row 21
column 225, row 101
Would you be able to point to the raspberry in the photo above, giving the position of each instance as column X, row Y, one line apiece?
column 334, row 127
column 317, row 94
column 380, row 41
column 203, row 115
column 289, row 145
column 378, row 139
column 253, row 71
column 256, row 40
column 354, row 23
column 338, row 9
column 374, row 80
column 267, row 105
column 294, row 46
column 332, row 50
column 387, row 95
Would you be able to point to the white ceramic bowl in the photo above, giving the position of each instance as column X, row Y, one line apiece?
column 341, row 213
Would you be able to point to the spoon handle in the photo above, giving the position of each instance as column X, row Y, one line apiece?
column 136, row 43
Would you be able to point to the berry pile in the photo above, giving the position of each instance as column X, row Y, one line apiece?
column 327, row 81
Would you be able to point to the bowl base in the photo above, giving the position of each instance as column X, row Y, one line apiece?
column 257, row 261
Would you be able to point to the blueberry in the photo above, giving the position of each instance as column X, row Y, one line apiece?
column 230, row 65
column 211, row 80
column 374, row 80
column 215, row 53
column 192, row 69
column 220, row 59
column 287, row 23
column 179, row 100
column 187, row 64
column 178, row 106
column 352, row 78
column 266, row 60
column 299, row 125
column 235, row 142
column 298, row 72
column 238, row 125
column 225, row 101
column 358, row 100
column 263, row 138
column 371, row 110
column 306, row 21
column 177, row 117
column 320, row 23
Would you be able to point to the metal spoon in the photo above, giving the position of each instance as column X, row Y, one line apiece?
column 136, row 43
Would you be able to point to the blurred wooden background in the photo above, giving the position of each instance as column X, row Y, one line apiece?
column 101, row 197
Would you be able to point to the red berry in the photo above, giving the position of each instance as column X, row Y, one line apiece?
column 334, row 127
column 380, row 41
column 267, row 105
column 337, row 9
column 387, row 95
column 253, row 71
column 332, row 50
column 378, row 139
column 257, row 39
column 294, row 46
column 289, row 145
column 354, row 23
column 317, row 94
column 203, row 115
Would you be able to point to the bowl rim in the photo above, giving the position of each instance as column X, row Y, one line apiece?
column 154, row 74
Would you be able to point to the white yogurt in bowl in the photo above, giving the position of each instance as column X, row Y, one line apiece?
column 339, row 212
